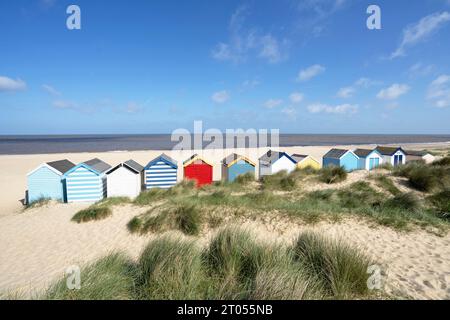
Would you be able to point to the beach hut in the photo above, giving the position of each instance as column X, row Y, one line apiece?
column 235, row 165
column 161, row 172
column 273, row 162
column 368, row 159
column 87, row 181
column 305, row 161
column 196, row 168
column 341, row 158
column 393, row 155
column 412, row 155
column 125, row 180
column 47, row 181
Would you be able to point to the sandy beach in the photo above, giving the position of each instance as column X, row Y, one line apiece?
column 37, row 245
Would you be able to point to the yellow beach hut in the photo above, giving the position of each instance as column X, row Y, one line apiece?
column 305, row 161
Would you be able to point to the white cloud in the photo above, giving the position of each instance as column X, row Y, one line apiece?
column 420, row 31
column 310, row 72
column 132, row 107
column 290, row 112
column 250, row 83
column 339, row 109
column 296, row 97
column 439, row 91
column 51, row 90
column 244, row 42
column 8, row 84
column 220, row 96
column 346, row 92
column 64, row 104
column 367, row 83
column 420, row 70
column 315, row 15
column 272, row 103
column 270, row 49
column 393, row 92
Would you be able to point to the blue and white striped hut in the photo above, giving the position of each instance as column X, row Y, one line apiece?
column 161, row 172
column 47, row 181
column 87, row 181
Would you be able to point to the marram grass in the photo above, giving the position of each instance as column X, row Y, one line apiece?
column 232, row 266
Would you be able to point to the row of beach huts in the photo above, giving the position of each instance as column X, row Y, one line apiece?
column 94, row 180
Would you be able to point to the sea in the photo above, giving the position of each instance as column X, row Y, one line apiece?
column 42, row 144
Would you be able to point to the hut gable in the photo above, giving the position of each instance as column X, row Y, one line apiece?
column 98, row 165
column 304, row 161
column 335, row 153
column 235, row 165
column 47, row 181
column 87, row 181
column 341, row 158
column 196, row 168
column 393, row 155
column 161, row 172
column 273, row 161
column 234, row 158
column 62, row 166
column 363, row 153
column 125, row 180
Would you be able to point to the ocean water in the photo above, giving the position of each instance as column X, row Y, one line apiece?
column 99, row 143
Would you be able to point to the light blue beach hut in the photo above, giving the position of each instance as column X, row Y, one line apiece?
column 47, row 181
column 235, row 165
column 87, row 181
column 161, row 172
column 368, row 159
column 341, row 158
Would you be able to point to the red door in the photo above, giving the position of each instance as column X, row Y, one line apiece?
column 201, row 173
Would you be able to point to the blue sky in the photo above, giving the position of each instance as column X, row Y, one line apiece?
column 154, row 66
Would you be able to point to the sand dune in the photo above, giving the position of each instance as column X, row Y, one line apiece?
column 37, row 246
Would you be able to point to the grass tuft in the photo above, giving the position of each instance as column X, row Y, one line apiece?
column 110, row 278
column 404, row 201
column 244, row 179
column 332, row 174
column 134, row 225
column 170, row 269
column 341, row 269
column 92, row 213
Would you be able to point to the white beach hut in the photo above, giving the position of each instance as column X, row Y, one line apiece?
column 273, row 162
column 125, row 180
column 393, row 155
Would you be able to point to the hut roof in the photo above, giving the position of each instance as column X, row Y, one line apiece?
column 416, row 153
column 62, row 165
column 299, row 157
column 130, row 164
column 98, row 165
column 388, row 151
column 233, row 158
column 362, row 153
column 134, row 165
column 194, row 158
column 335, row 153
column 272, row 156
column 165, row 158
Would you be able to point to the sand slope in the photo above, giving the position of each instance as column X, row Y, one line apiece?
column 37, row 246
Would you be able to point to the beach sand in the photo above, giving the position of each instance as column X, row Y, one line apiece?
column 37, row 245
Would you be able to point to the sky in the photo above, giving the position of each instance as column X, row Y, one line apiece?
column 310, row 66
